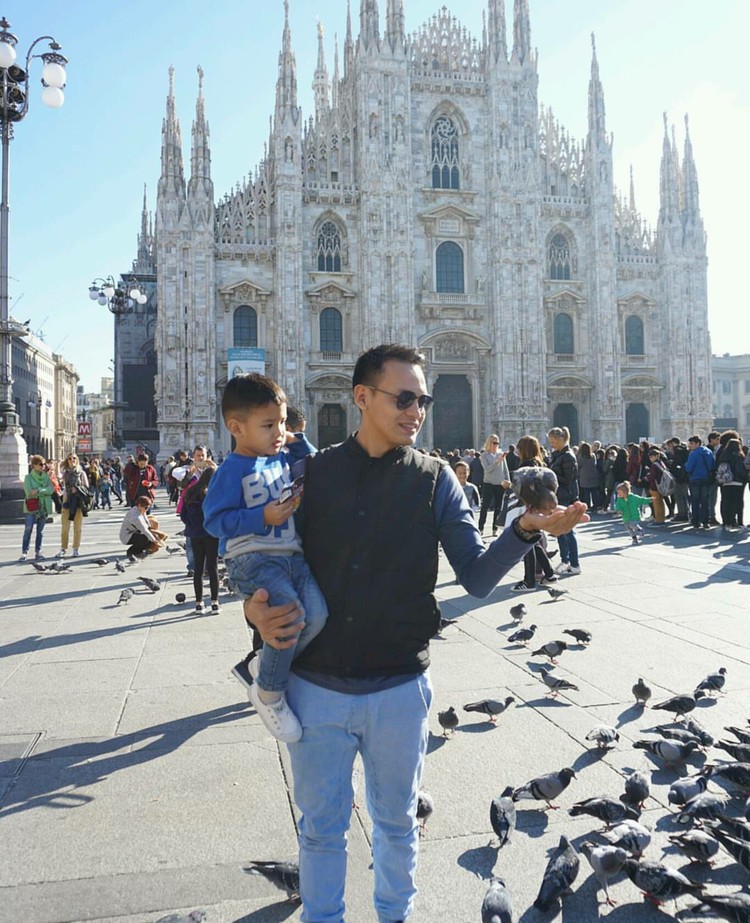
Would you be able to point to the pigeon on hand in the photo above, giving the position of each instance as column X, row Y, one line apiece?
column 737, row 773
column 523, row 635
column 497, row 906
column 580, row 634
column 125, row 595
column 284, row 875
column 697, row 845
column 705, row 806
column 603, row 735
column 740, row 752
column 503, row 816
column 39, row 568
column 490, row 707
column 742, row 734
column 119, row 567
column 714, row 682
column 561, row 872
column 699, row 732
column 517, row 612
column 605, row 809
column 448, row 721
column 642, row 692
column 551, row 649
column 606, row 861
column 153, row 585
column 101, row 561
column 678, row 704
column 636, row 789
column 629, row 835
column 555, row 593
column 671, row 751
column 555, row 683
column 425, row 807
column 545, row 788
column 659, row 882
column 733, row 907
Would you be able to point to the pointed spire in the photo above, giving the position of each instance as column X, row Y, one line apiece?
column 336, row 74
column 348, row 42
column 172, row 175
column 632, row 191
column 496, row 37
column 521, row 30
column 320, row 79
column 200, row 151
column 596, row 99
column 669, row 188
column 369, row 24
column 691, row 204
column 286, row 84
column 394, row 25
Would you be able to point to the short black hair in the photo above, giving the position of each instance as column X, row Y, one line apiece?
column 246, row 392
column 369, row 366
column 142, row 456
column 696, row 440
column 295, row 417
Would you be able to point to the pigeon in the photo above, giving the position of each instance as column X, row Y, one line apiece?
column 445, row 623
column 561, row 872
column 668, row 750
column 555, row 683
column 125, row 595
column 737, row 849
column 39, row 568
column 195, row 916
column 580, row 634
column 714, row 682
column 425, row 807
column 737, row 773
column 642, row 692
column 284, row 875
column 605, row 809
column 636, row 789
column 101, row 561
column 603, row 735
column 606, row 861
column 742, row 734
column 171, row 549
column 180, row 597
column 659, row 882
column 448, row 721
column 739, row 829
column 555, row 593
column 732, row 907
column 119, row 567
column 629, row 835
column 497, row 906
column 59, row 567
column 699, row 732
column 705, row 806
column 683, row 790
column 490, row 707
column 681, row 734
column 678, row 704
column 551, row 649
column 153, row 585
column 740, row 752
column 517, row 612
column 545, row 788
column 523, row 635
column 697, row 845
column 503, row 816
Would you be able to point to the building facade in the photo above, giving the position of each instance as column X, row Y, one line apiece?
column 731, row 393
column 66, row 387
column 431, row 200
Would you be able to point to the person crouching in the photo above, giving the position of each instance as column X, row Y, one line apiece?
column 141, row 532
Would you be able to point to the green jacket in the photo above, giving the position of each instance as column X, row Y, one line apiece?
column 631, row 508
column 42, row 484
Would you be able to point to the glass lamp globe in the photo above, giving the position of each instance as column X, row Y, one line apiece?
column 102, row 299
column 108, row 290
column 7, row 54
column 53, row 97
column 134, row 293
column 142, row 299
column 54, row 75
column 93, row 293
column 131, row 304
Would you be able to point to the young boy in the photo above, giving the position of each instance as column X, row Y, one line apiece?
column 472, row 494
column 248, row 509
column 630, row 506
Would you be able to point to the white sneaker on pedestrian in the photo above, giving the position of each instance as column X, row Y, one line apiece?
column 573, row 570
column 278, row 717
column 562, row 568
column 75, row 552
column 23, row 556
column 61, row 553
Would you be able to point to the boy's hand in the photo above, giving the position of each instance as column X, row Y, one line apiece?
column 273, row 623
column 275, row 514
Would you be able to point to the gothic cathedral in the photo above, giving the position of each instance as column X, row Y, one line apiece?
column 430, row 200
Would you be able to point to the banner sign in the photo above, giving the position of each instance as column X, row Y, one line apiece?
column 242, row 360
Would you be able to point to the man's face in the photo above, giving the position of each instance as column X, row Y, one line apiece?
column 142, row 463
column 199, row 458
column 384, row 426
column 693, row 445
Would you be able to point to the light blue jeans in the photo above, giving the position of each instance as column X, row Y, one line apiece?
column 568, row 548
column 29, row 520
column 389, row 729
column 287, row 578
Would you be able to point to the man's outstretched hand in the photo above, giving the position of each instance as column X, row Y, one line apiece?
column 556, row 522
column 277, row 625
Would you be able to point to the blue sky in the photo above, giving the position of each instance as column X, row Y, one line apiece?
column 77, row 173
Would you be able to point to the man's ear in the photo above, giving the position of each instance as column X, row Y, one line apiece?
column 360, row 396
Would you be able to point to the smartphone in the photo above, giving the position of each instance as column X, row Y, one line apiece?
column 293, row 490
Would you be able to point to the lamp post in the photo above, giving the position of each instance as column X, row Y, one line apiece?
column 120, row 298
column 14, row 106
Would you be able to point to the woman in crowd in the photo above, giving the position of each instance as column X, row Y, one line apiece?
column 52, row 468
column 536, row 560
column 588, row 476
column 496, row 481
column 205, row 546
column 563, row 463
column 633, row 468
column 37, row 506
column 72, row 479
column 656, row 469
column 731, row 480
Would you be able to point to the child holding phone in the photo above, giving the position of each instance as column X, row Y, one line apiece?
column 249, row 507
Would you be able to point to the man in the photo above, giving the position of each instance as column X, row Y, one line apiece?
column 699, row 466
column 714, row 444
column 141, row 480
column 374, row 510
column 677, row 454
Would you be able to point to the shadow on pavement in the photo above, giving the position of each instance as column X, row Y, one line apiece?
column 480, row 860
column 274, row 913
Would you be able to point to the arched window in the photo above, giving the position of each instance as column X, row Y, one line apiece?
column 559, row 257
column 331, row 337
column 329, row 248
column 563, row 335
column 567, row 415
column 444, row 154
column 245, row 326
column 634, row 336
column 449, row 267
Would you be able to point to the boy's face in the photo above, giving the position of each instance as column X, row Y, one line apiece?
column 461, row 474
column 622, row 494
column 261, row 431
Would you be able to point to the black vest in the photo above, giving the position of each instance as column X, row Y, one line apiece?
column 370, row 539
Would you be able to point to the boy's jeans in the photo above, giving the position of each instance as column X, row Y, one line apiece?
column 287, row 578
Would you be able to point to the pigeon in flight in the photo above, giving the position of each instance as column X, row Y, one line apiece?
column 561, row 872
column 448, row 720
column 555, row 683
column 642, row 692
column 551, row 649
column 580, row 634
column 517, row 612
column 606, row 861
column 285, row 875
column 490, row 707
column 545, row 788
column 503, row 816
column 523, row 635
column 659, row 882
column 125, row 595
column 604, row 735
column 555, row 593
column 630, row 835
column 697, row 845
column 497, row 906
column 153, row 585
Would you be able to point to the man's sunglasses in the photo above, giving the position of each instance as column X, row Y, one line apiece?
column 405, row 399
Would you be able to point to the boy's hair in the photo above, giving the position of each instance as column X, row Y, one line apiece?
column 143, row 501
column 246, row 392
column 295, row 418
column 461, row 464
column 624, row 486
column 696, row 440
column 143, row 457
column 369, row 365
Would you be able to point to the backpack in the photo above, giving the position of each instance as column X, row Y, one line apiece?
column 724, row 474
column 666, row 483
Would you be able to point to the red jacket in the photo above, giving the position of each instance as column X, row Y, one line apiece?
column 140, row 482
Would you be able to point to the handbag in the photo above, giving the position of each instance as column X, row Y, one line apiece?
column 84, row 499
column 32, row 504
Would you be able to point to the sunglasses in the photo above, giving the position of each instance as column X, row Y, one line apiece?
column 405, row 399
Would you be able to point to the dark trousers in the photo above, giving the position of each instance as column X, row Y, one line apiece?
column 138, row 543
column 699, row 502
column 206, row 552
column 535, row 560
column 732, row 504
column 492, row 499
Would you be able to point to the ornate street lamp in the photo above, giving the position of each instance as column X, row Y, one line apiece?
column 14, row 105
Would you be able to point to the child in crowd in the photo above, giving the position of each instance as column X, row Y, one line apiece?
column 105, row 489
column 629, row 505
column 472, row 494
column 249, row 507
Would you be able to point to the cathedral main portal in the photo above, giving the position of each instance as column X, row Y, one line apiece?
column 452, row 412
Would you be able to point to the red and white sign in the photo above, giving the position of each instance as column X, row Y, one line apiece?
column 84, row 428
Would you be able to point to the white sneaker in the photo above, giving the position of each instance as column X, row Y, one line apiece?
column 562, row 568
column 23, row 556
column 574, row 570
column 278, row 717
column 61, row 553
column 75, row 552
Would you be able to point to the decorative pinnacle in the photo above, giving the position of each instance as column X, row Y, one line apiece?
column 200, row 80
column 171, row 80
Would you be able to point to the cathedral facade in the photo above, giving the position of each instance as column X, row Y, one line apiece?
column 431, row 200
